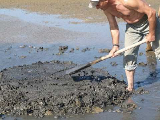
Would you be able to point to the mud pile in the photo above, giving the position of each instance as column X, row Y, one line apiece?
column 44, row 89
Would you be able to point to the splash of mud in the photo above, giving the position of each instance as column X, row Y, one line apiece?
column 43, row 89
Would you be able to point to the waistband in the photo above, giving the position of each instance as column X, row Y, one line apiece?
column 142, row 20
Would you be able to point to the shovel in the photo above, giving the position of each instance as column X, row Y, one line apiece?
column 78, row 68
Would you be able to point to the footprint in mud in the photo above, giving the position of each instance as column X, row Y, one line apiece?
column 113, row 63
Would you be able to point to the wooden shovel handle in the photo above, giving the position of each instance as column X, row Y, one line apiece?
column 118, row 52
column 132, row 46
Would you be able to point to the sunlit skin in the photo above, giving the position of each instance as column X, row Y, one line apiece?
column 130, row 11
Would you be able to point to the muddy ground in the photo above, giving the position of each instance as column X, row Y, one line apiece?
column 40, row 90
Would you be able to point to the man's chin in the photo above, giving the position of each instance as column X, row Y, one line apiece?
column 104, row 9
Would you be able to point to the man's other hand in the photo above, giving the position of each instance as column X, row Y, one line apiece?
column 150, row 38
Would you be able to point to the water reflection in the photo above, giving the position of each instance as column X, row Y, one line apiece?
column 158, row 116
column 152, row 66
column 129, row 115
column 151, row 61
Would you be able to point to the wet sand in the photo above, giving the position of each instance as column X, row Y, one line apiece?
column 25, row 32
column 67, row 8
column 27, row 41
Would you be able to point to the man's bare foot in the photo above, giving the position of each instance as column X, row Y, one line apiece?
column 130, row 89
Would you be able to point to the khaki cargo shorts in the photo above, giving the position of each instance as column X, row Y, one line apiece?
column 135, row 33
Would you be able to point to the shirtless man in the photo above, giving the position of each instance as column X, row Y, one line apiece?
column 141, row 22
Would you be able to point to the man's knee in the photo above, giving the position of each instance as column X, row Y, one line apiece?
column 130, row 62
column 130, row 67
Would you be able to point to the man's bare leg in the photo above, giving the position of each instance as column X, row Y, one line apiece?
column 130, row 79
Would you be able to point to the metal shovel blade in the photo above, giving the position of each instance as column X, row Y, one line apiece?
column 77, row 68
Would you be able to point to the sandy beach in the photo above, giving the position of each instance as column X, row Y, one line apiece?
column 67, row 8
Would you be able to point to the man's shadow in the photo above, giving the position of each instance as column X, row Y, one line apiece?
column 98, row 78
column 152, row 78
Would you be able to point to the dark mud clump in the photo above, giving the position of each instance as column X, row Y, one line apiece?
column 63, row 48
column 44, row 89
column 104, row 50
column 113, row 63
column 142, row 64
column 86, row 49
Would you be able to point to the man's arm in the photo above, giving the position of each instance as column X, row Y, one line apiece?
column 114, row 31
column 142, row 7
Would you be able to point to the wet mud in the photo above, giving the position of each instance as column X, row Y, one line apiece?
column 44, row 89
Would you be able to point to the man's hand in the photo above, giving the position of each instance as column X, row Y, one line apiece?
column 114, row 49
column 150, row 38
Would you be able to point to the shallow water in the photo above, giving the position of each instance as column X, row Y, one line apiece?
column 95, row 37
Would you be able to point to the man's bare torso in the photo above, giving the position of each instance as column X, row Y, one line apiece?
column 117, row 9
